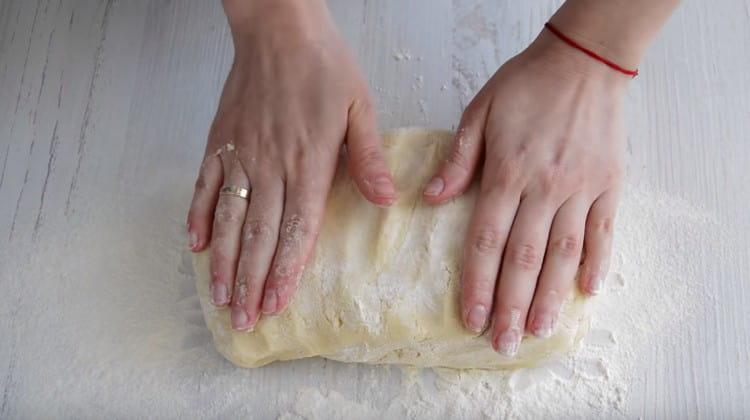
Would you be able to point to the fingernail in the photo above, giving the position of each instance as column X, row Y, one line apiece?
column 508, row 342
column 269, row 302
column 193, row 236
column 544, row 325
column 597, row 282
column 435, row 187
column 219, row 294
column 240, row 320
column 477, row 318
column 383, row 187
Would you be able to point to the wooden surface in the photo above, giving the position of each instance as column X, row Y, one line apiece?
column 104, row 108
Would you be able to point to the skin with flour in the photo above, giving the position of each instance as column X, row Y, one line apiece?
column 545, row 133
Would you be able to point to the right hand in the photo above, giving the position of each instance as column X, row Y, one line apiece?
column 292, row 97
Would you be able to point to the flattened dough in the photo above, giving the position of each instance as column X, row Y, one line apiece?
column 383, row 284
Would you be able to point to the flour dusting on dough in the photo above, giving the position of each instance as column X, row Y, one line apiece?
column 383, row 284
column 653, row 288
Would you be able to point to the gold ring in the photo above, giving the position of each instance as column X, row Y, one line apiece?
column 235, row 191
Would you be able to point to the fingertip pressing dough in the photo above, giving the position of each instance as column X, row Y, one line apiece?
column 383, row 283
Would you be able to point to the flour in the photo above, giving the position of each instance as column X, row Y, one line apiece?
column 115, row 327
column 405, row 55
column 402, row 55
column 653, row 289
column 418, row 83
column 312, row 403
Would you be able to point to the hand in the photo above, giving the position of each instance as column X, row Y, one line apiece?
column 549, row 124
column 291, row 98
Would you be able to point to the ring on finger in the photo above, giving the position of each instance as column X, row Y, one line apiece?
column 235, row 191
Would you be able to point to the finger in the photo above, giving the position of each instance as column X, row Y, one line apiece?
column 456, row 172
column 201, row 214
column 225, row 240
column 258, row 243
column 560, row 265
column 303, row 211
column 488, row 231
column 366, row 163
column 210, row 176
column 597, row 242
column 522, row 261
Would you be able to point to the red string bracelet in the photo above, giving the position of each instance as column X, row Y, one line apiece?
column 595, row 56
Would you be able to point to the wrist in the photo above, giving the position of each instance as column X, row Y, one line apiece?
column 551, row 55
column 618, row 30
column 294, row 18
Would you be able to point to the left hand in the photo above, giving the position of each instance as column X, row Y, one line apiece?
column 550, row 126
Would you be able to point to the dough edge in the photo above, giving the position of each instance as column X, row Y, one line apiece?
column 317, row 322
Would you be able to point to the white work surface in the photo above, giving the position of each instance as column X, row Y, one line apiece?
column 104, row 109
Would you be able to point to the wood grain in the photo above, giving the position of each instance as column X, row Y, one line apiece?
column 104, row 106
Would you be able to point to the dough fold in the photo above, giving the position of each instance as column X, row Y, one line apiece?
column 383, row 284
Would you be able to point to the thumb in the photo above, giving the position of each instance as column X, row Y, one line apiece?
column 366, row 163
column 456, row 172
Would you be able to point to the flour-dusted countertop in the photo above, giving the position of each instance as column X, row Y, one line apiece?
column 104, row 108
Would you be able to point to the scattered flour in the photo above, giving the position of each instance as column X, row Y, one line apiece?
column 402, row 55
column 312, row 403
column 101, row 315
column 418, row 83
column 405, row 55
column 652, row 290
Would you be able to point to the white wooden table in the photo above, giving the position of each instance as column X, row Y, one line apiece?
column 104, row 108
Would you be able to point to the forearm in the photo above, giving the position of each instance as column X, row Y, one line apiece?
column 620, row 30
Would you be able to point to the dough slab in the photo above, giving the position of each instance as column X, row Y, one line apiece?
column 383, row 284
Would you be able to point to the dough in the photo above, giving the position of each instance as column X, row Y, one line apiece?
column 383, row 284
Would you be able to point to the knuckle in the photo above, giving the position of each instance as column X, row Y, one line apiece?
column 220, row 233
column 219, row 257
column 255, row 230
column 255, row 281
column 283, row 277
column 241, row 289
column 553, row 296
column 226, row 214
column 567, row 245
column 248, row 285
column 477, row 287
column 603, row 224
column 274, row 281
column 487, row 240
column 294, row 233
column 458, row 157
column 527, row 257
column 366, row 157
column 295, row 228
